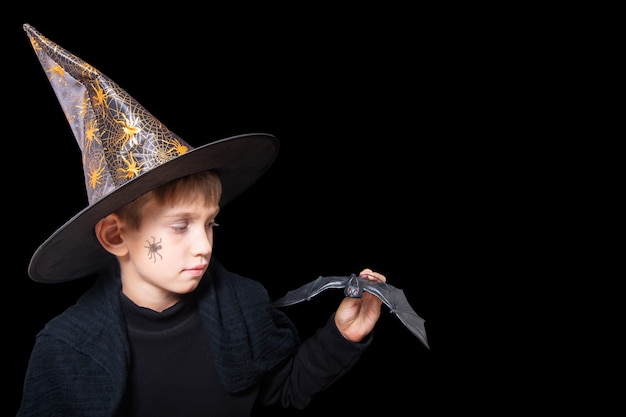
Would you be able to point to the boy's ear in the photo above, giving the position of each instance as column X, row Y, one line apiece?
column 108, row 234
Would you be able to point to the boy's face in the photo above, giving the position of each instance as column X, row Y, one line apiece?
column 170, row 252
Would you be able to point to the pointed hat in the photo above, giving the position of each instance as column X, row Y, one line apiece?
column 126, row 152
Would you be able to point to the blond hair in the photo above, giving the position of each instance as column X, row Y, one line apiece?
column 185, row 189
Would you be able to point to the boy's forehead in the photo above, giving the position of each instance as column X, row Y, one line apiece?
column 190, row 203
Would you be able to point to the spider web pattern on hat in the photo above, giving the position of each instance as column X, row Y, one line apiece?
column 118, row 138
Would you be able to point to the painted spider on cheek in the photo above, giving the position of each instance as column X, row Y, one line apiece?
column 153, row 248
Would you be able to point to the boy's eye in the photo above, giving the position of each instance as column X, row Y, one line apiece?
column 180, row 227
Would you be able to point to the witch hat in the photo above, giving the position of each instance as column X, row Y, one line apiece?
column 126, row 152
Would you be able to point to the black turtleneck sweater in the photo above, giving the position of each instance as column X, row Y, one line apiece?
column 172, row 366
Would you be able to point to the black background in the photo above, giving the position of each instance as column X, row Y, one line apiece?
column 382, row 165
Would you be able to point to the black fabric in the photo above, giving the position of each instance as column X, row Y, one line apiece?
column 81, row 359
column 320, row 361
column 248, row 336
column 172, row 370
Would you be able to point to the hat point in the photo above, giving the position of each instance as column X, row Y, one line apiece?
column 119, row 139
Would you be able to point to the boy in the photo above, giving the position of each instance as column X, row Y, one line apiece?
column 165, row 330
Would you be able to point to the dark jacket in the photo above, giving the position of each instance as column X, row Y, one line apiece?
column 80, row 361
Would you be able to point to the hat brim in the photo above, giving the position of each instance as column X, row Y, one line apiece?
column 73, row 251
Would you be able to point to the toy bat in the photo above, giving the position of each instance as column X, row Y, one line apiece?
column 354, row 286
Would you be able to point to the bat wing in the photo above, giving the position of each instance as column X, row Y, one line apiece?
column 391, row 296
column 310, row 290
column 396, row 300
